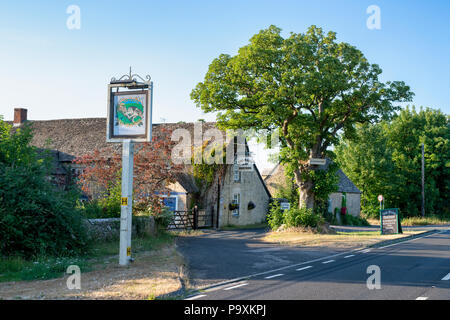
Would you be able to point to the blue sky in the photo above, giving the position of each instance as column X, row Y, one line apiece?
column 60, row 73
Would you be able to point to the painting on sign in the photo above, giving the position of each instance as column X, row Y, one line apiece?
column 130, row 114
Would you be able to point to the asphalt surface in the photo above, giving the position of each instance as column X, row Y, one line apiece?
column 417, row 269
column 218, row 256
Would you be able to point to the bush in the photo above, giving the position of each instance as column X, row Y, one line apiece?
column 36, row 218
column 302, row 217
column 275, row 217
column 163, row 218
column 350, row 220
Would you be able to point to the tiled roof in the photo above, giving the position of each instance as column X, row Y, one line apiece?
column 77, row 137
column 276, row 179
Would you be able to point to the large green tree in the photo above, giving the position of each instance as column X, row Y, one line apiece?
column 307, row 86
column 386, row 159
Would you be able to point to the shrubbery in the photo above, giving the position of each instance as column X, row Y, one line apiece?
column 36, row 218
column 350, row 220
column 294, row 217
column 302, row 217
column 275, row 217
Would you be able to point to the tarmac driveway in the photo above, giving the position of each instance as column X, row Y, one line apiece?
column 218, row 256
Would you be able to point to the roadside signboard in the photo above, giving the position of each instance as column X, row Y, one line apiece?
column 389, row 221
column 380, row 198
column 285, row 205
column 317, row 161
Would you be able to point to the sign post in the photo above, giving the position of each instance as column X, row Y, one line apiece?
column 380, row 199
column 126, row 213
column 129, row 122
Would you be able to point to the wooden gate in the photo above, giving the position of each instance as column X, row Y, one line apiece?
column 182, row 220
column 202, row 218
column 191, row 219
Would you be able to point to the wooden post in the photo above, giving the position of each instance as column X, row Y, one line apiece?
column 126, row 203
column 195, row 217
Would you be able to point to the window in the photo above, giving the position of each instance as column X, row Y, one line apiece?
column 236, row 172
column 236, row 200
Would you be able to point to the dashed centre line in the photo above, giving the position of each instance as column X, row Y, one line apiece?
column 422, row 298
column 304, row 268
column 237, row 286
column 196, row 297
column 349, row 256
column 274, row 276
column 329, row 261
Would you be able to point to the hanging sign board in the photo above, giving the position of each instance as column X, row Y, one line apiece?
column 129, row 111
column 389, row 221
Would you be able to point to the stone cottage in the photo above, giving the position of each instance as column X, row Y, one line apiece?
column 275, row 179
column 235, row 196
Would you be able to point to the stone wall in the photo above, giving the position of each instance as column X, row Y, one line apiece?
column 109, row 229
column 353, row 202
column 251, row 189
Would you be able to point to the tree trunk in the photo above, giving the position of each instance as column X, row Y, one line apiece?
column 306, row 198
column 306, row 195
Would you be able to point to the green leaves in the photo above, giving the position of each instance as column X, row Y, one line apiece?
column 35, row 217
column 386, row 159
column 308, row 86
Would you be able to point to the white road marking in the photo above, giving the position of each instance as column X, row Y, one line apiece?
column 447, row 277
column 426, row 236
column 329, row 261
column 349, row 256
column 422, row 298
column 223, row 283
column 196, row 297
column 234, row 287
column 304, row 268
column 274, row 276
column 365, row 251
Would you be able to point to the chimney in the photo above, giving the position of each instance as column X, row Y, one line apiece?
column 20, row 116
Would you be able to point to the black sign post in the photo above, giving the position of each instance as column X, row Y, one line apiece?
column 389, row 221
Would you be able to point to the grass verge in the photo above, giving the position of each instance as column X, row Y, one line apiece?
column 41, row 268
column 346, row 240
column 248, row 226
column 428, row 220
column 416, row 221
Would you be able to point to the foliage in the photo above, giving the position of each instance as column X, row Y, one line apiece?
column 163, row 218
column 289, row 190
column 294, row 217
column 153, row 171
column 275, row 217
column 302, row 217
column 307, row 86
column 385, row 159
column 349, row 220
column 325, row 182
column 36, row 218
column 205, row 171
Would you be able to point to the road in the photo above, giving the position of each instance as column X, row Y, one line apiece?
column 417, row 269
column 220, row 256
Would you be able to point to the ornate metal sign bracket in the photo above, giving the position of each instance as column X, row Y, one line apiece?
column 132, row 81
